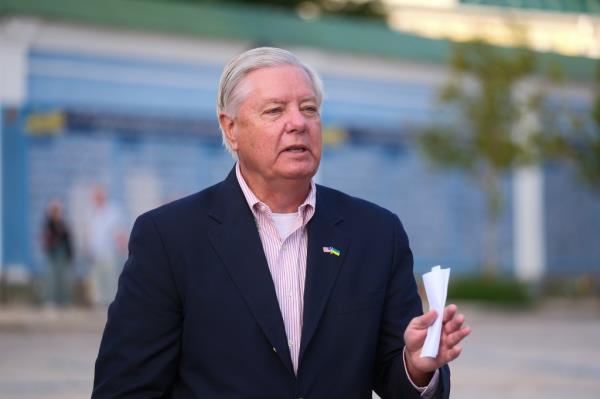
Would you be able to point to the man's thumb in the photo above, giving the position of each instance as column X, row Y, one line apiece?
column 426, row 320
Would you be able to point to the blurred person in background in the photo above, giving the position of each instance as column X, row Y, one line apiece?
column 267, row 285
column 106, row 245
column 59, row 254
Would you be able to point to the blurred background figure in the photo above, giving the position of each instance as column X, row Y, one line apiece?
column 106, row 246
column 59, row 255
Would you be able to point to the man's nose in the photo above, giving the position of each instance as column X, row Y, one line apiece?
column 296, row 122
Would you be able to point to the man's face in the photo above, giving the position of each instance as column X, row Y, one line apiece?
column 277, row 130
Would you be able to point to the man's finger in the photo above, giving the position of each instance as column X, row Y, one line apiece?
column 424, row 321
column 449, row 312
column 453, row 339
column 454, row 324
column 453, row 353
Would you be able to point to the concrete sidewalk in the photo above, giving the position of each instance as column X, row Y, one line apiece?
column 551, row 352
column 48, row 353
column 29, row 319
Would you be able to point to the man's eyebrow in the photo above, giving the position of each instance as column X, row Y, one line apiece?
column 275, row 100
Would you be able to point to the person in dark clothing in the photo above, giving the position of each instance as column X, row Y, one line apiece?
column 59, row 254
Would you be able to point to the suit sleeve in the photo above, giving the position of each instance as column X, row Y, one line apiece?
column 402, row 303
column 140, row 346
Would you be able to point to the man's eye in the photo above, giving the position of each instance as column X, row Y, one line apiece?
column 310, row 109
column 273, row 110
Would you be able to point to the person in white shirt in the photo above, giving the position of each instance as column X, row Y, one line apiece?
column 106, row 243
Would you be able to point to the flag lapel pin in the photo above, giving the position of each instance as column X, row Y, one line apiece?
column 332, row 251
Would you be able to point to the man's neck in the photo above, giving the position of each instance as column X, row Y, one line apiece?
column 281, row 196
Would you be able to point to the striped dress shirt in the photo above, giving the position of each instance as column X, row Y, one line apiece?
column 286, row 257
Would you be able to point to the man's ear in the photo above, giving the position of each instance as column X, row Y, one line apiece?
column 227, row 124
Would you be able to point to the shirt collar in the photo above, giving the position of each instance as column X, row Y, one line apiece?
column 306, row 209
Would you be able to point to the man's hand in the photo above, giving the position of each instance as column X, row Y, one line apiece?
column 421, row 369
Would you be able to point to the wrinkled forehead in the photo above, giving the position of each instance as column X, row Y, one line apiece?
column 276, row 82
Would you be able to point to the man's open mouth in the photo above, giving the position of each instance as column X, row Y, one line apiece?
column 296, row 149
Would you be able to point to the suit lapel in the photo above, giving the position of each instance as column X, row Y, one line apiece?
column 235, row 238
column 322, row 268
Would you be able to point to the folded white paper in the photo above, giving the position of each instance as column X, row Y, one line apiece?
column 436, row 288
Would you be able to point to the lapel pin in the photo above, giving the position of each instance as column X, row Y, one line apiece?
column 332, row 250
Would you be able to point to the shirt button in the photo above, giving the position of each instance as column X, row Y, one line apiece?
column 291, row 343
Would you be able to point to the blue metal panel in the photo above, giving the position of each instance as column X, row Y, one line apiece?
column 15, row 190
column 153, row 87
column 572, row 219
column 572, row 209
column 143, row 86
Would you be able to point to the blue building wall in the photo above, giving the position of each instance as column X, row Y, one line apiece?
column 572, row 217
column 443, row 212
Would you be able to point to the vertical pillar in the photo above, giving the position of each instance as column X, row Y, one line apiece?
column 15, row 36
column 528, row 206
column 528, row 202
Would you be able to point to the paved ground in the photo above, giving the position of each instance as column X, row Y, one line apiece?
column 48, row 355
column 551, row 352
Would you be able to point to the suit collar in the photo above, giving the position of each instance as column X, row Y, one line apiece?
column 228, row 203
column 236, row 240
column 322, row 268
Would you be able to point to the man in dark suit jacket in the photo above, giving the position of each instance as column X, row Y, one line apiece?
column 199, row 311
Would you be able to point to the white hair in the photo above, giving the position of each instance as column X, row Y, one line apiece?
column 229, row 96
